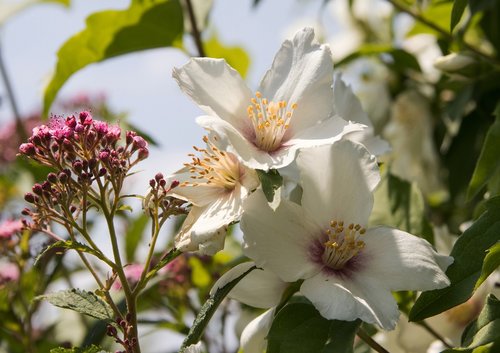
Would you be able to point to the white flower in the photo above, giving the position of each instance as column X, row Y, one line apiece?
column 216, row 183
column 348, row 271
column 291, row 109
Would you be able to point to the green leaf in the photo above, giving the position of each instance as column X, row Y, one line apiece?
column 200, row 277
column 488, row 163
column 468, row 253
column 235, row 56
column 270, row 181
column 90, row 349
column 81, row 301
column 133, row 236
column 207, row 311
column 438, row 13
column 146, row 24
column 9, row 8
column 491, row 263
column 456, row 12
column 486, row 328
column 299, row 328
column 62, row 245
column 400, row 204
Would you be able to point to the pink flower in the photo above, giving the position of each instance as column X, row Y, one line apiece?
column 10, row 227
column 133, row 273
column 9, row 272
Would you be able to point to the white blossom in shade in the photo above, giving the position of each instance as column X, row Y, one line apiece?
column 348, row 271
column 348, row 106
column 215, row 183
column 414, row 156
column 291, row 109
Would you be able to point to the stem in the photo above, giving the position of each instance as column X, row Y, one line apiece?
column 370, row 341
column 194, row 29
column 10, row 94
column 434, row 333
column 440, row 30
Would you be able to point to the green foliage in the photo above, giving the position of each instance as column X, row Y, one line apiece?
column 299, row 328
column 457, row 12
column 90, row 349
column 488, row 163
column 133, row 235
column 468, row 253
column 60, row 246
column 81, row 301
column 271, row 181
column 486, row 328
column 207, row 310
column 400, row 204
column 146, row 24
column 439, row 13
column 490, row 264
column 235, row 56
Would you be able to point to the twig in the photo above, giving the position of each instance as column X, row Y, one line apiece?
column 370, row 341
column 429, row 329
column 440, row 30
column 194, row 29
column 10, row 95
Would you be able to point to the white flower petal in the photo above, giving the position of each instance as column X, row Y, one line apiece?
column 231, row 275
column 402, row 261
column 348, row 299
column 375, row 144
column 347, row 105
column 216, row 87
column 326, row 132
column 199, row 195
column 206, row 226
column 253, row 337
column 278, row 240
column 338, row 181
column 302, row 73
column 260, row 289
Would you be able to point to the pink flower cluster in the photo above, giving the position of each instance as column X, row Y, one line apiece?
column 81, row 150
column 10, row 227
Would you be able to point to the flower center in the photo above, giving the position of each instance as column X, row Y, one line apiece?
column 270, row 121
column 342, row 244
column 213, row 168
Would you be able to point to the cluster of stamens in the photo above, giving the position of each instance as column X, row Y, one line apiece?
column 214, row 167
column 343, row 244
column 270, row 121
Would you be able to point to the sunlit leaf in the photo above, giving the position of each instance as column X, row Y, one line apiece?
column 457, row 12
column 468, row 253
column 146, row 24
column 488, row 164
column 439, row 13
column 200, row 277
column 490, row 264
column 81, row 301
column 235, row 56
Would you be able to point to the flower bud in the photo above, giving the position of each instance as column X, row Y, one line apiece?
column 52, row 178
column 143, row 153
column 79, row 128
column 86, row 118
column 46, row 186
column 162, row 183
column 37, row 189
column 92, row 163
column 63, row 177
column 104, row 155
column 78, row 166
column 139, row 142
column 129, row 137
column 152, row 183
column 71, row 122
column 29, row 197
column 174, row 184
column 28, row 149
column 102, row 172
column 453, row 62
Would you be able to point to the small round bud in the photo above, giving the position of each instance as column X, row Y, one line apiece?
column 26, row 212
column 79, row 128
column 72, row 209
column 71, row 121
column 158, row 177
column 104, row 155
column 78, row 166
column 162, row 183
column 86, row 118
column 139, row 142
column 174, row 184
column 111, row 331
column 29, row 197
column 28, row 149
column 143, row 153
column 102, row 172
column 52, row 178
column 46, row 186
column 37, row 189
column 152, row 183
column 129, row 137
column 63, row 177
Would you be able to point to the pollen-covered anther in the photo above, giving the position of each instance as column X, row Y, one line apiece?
column 343, row 243
column 270, row 121
column 213, row 168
